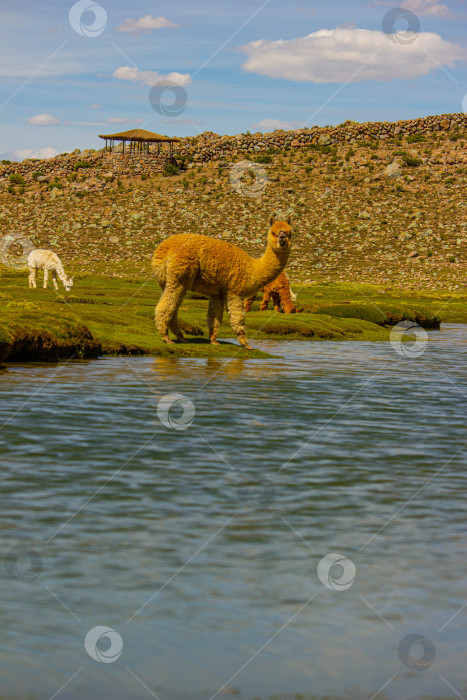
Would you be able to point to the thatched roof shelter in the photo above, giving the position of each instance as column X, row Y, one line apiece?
column 139, row 140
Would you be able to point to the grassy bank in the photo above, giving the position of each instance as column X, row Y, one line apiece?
column 115, row 316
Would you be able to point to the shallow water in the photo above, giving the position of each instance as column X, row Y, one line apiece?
column 200, row 546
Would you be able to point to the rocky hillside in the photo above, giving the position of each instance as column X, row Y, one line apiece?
column 371, row 202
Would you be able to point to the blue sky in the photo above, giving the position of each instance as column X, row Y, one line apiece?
column 249, row 65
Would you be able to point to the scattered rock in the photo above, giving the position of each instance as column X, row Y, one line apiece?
column 393, row 170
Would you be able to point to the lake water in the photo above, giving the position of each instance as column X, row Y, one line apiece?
column 205, row 547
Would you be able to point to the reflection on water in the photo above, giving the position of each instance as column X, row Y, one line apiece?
column 198, row 547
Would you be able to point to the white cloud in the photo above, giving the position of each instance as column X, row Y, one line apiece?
column 430, row 8
column 350, row 55
column 43, row 120
column 145, row 24
column 92, row 106
column 272, row 124
column 148, row 77
column 22, row 153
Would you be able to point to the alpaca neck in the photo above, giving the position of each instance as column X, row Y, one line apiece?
column 61, row 274
column 269, row 266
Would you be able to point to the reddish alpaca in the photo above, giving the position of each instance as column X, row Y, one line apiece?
column 279, row 291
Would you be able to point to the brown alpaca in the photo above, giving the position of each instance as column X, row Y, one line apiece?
column 225, row 273
column 281, row 294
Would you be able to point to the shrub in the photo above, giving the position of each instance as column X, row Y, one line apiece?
column 6, row 162
column 170, row 169
column 16, row 179
column 263, row 158
column 412, row 162
column 416, row 138
column 37, row 174
column 82, row 164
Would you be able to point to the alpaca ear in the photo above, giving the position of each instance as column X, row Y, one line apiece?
column 289, row 219
column 272, row 219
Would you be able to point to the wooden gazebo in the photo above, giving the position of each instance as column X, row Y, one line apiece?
column 139, row 140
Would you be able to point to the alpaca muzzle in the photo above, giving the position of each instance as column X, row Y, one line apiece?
column 282, row 240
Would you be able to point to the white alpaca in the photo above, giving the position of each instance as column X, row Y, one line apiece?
column 48, row 261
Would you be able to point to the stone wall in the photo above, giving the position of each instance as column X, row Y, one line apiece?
column 209, row 146
column 106, row 167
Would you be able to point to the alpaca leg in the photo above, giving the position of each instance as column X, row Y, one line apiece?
column 175, row 328
column 32, row 278
column 174, row 325
column 248, row 303
column 215, row 313
column 265, row 302
column 237, row 318
column 276, row 300
column 166, row 311
column 46, row 278
column 54, row 279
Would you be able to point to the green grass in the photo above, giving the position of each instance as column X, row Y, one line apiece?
column 119, row 315
column 383, row 305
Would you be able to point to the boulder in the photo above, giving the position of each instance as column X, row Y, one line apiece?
column 393, row 170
